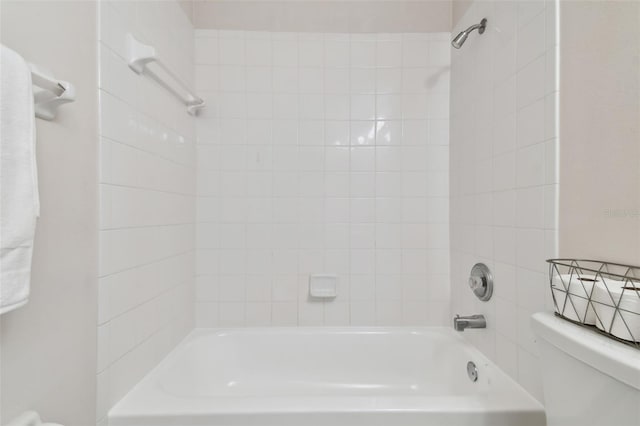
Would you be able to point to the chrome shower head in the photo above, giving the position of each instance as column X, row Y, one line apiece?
column 459, row 40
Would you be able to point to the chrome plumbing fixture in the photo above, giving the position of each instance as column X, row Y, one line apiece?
column 471, row 321
column 481, row 281
column 472, row 371
column 459, row 40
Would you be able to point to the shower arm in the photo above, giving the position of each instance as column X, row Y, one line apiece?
column 480, row 27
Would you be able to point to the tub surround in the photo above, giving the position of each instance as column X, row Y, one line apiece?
column 322, row 153
column 147, row 198
column 504, row 175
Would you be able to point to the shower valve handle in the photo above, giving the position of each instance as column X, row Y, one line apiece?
column 476, row 282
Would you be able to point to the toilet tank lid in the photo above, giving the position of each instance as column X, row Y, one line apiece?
column 600, row 352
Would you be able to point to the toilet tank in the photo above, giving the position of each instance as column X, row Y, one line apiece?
column 588, row 379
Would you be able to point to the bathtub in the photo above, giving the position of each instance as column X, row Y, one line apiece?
column 325, row 376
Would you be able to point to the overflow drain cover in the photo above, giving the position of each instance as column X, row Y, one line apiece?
column 472, row 371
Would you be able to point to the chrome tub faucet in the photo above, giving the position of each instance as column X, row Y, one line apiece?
column 471, row 321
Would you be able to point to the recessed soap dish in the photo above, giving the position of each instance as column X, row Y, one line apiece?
column 323, row 286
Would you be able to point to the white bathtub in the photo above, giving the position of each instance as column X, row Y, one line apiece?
column 325, row 376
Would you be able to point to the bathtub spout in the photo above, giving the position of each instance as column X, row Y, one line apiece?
column 472, row 321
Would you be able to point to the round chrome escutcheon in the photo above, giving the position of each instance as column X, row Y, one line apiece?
column 472, row 371
column 481, row 281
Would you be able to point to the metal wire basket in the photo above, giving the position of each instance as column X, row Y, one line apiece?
column 603, row 296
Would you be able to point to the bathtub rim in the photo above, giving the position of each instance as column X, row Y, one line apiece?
column 135, row 404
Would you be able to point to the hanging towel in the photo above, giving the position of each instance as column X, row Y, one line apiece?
column 19, row 203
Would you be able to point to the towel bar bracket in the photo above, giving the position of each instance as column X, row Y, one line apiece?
column 140, row 55
column 50, row 94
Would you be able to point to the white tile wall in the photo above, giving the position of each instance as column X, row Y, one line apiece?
column 147, row 199
column 322, row 153
column 503, row 174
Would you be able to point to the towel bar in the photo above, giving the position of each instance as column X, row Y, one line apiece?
column 139, row 55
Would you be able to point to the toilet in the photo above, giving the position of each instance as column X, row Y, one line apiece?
column 588, row 379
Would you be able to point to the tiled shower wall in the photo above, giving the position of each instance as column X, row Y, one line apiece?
column 322, row 153
column 147, row 198
column 504, row 175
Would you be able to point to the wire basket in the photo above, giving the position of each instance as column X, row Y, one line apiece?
column 603, row 296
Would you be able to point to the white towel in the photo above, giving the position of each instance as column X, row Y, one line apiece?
column 19, row 203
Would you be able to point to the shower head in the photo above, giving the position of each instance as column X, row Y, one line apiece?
column 459, row 40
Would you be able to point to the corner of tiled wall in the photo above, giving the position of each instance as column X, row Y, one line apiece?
column 147, row 199
column 504, row 178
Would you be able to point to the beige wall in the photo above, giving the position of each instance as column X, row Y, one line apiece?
column 458, row 9
column 49, row 346
column 324, row 16
column 187, row 7
column 600, row 131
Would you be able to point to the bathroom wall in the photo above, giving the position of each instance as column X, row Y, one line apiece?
column 600, row 131
column 504, row 175
column 187, row 7
column 344, row 16
column 322, row 153
column 458, row 9
column 147, row 198
column 48, row 347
